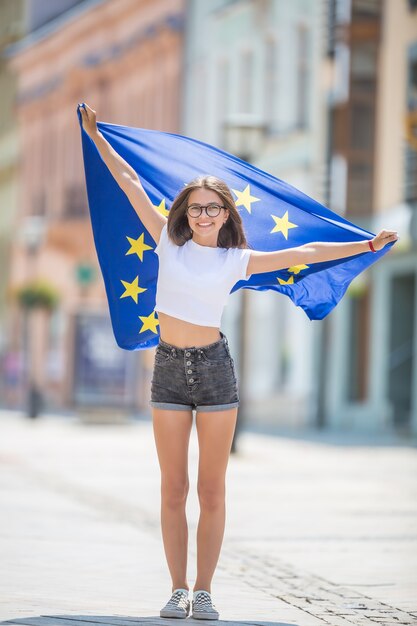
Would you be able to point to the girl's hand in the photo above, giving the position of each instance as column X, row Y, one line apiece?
column 88, row 117
column 383, row 238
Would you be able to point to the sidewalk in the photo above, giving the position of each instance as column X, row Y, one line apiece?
column 316, row 533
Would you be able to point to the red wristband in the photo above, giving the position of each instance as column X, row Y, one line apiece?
column 371, row 245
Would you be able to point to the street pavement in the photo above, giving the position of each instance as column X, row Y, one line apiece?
column 320, row 528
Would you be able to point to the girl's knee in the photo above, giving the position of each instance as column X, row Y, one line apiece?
column 174, row 495
column 211, row 497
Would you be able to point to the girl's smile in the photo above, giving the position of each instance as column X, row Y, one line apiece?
column 205, row 228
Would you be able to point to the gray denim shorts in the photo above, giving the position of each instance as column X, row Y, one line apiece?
column 201, row 378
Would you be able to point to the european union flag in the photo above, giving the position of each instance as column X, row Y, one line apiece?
column 275, row 216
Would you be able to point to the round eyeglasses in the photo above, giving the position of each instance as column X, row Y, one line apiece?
column 212, row 209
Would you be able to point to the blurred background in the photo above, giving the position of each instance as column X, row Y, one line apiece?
column 320, row 93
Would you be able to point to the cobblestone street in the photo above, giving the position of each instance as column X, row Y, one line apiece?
column 320, row 529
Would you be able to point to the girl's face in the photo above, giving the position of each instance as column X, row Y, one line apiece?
column 206, row 228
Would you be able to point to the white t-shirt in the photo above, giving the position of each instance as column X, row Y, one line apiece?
column 194, row 281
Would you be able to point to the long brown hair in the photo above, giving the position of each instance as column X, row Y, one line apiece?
column 231, row 234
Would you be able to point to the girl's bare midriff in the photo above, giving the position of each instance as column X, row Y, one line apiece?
column 184, row 334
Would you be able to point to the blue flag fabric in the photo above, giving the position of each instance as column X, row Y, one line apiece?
column 275, row 216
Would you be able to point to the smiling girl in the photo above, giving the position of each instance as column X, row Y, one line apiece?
column 202, row 252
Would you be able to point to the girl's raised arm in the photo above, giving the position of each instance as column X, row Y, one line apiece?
column 125, row 176
column 315, row 252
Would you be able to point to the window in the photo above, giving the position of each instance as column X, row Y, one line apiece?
column 75, row 202
column 223, row 96
column 338, row 180
column 358, row 342
column 340, row 92
column 39, row 203
column 362, row 126
column 410, row 187
column 364, row 66
column 270, row 83
column 410, row 157
column 246, row 82
column 366, row 8
column 400, row 340
column 360, row 187
column 412, row 88
column 343, row 11
column 338, row 14
column 302, row 76
column 199, row 97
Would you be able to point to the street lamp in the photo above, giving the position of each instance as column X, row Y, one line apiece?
column 243, row 136
column 32, row 235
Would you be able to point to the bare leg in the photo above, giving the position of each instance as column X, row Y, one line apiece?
column 215, row 433
column 172, row 435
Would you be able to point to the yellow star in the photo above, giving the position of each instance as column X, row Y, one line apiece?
column 244, row 198
column 138, row 246
column 282, row 224
column 290, row 281
column 132, row 289
column 161, row 208
column 149, row 322
column 296, row 269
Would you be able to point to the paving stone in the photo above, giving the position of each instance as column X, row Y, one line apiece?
column 82, row 543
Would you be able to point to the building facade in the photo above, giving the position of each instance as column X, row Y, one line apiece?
column 321, row 94
column 13, row 27
column 17, row 19
column 253, row 87
column 125, row 60
column 369, row 366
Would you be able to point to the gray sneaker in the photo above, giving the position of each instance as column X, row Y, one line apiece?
column 203, row 608
column 177, row 606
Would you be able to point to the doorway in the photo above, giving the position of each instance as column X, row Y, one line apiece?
column 401, row 342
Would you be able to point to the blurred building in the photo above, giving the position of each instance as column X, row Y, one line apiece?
column 368, row 375
column 124, row 59
column 17, row 19
column 12, row 28
column 321, row 93
column 254, row 88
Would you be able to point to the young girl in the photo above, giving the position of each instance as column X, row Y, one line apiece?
column 202, row 252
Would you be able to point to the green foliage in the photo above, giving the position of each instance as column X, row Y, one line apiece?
column 37, row 294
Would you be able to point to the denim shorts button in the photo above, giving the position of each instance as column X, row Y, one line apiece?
column 191, row 380
column 189, row 371
column 188, row 362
